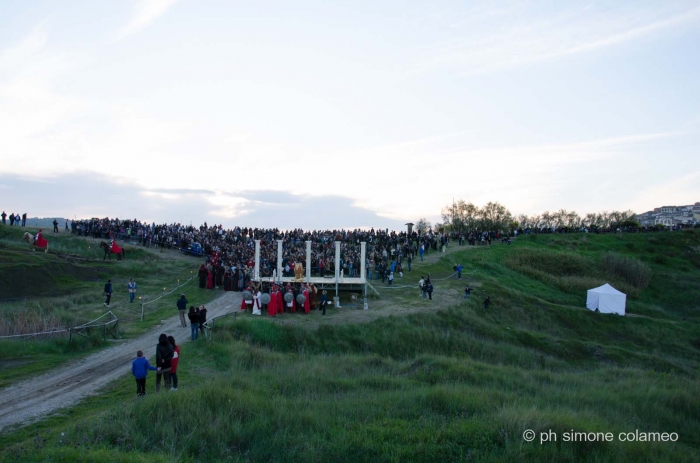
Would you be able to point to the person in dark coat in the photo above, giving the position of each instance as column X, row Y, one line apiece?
column 202, row 276
column 487, row 302
column 202, row 318
column 164, row 357
column 194, row 322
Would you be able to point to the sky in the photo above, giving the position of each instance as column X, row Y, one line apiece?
column 316, row 114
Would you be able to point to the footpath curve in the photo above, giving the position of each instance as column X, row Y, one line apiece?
column 30, row 400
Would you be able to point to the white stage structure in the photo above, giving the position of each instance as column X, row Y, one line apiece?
column 338, row 280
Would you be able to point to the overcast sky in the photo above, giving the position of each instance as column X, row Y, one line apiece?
column 345, row 114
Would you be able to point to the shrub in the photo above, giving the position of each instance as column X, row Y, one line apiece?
column 627, row 269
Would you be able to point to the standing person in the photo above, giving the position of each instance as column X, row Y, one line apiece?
column 24, row 219
column 202, row 276
column 467, row 292
column 459, row 271
column 67, row 225
column 324, row 300
column 139, row 368
column 487, row 302
column 272, row 305
column 55, row 226
column 194, row 323
column 409, row 260
column 182, row 307
column 131, row 286
column 108, row 292
column 421, row 252
column 164, row 357
column 4, row 216
column 390, row 278
column 421, row 285
column 307, row 300
column 257, row 296
column 12, row 218
column 174, row 362
column 202, row 317
column 430, row 290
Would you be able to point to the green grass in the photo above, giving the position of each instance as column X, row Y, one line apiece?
column 65, row 288
column 460, row 384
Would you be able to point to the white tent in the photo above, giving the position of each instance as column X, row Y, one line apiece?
column 606, row 299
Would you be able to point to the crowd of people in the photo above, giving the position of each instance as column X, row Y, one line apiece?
column 230, row 253
column 15, row 219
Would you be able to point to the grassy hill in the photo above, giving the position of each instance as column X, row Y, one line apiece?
column 459, row 383
column 62, row 288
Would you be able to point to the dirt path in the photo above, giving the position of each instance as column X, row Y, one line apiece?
column 30, row 400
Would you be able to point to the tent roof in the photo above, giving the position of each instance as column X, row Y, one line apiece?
column 607, row 289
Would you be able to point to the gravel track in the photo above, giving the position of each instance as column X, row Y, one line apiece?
column 30, row 400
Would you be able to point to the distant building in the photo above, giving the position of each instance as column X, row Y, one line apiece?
column 669, row 216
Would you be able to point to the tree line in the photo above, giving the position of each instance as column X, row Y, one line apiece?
column 493, row 216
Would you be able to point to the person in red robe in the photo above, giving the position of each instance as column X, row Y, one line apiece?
column 312, row 293
column 40, row 241
column 280, row 301
column 245, row 306
column 272, row 305
column 307, row 301
column 210, row 279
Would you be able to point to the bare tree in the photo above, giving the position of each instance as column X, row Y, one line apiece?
column 422, row 226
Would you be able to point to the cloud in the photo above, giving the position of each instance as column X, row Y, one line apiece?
column 508, row 38
column 85, row 195
column 145, row 12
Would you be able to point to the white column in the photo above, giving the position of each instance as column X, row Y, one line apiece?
column 308, row 261
column 337, row 261
column 256, row 273
column 363, row 269
column 279, row 260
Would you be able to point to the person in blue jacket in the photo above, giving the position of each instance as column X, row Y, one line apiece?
column 139, row 368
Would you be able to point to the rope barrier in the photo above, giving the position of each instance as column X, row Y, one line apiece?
column 35, row 334
column 86, row 325
column 90, row 323
column 169, row 293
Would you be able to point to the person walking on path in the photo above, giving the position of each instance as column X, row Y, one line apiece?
column 182, row 308
column 108, row 292
column 139, row 368
column 430, row 290
column 194, row 323
column 131, row 286
column 164, row 358
column 174, row 362
column 409, row 260
column 421, row 252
